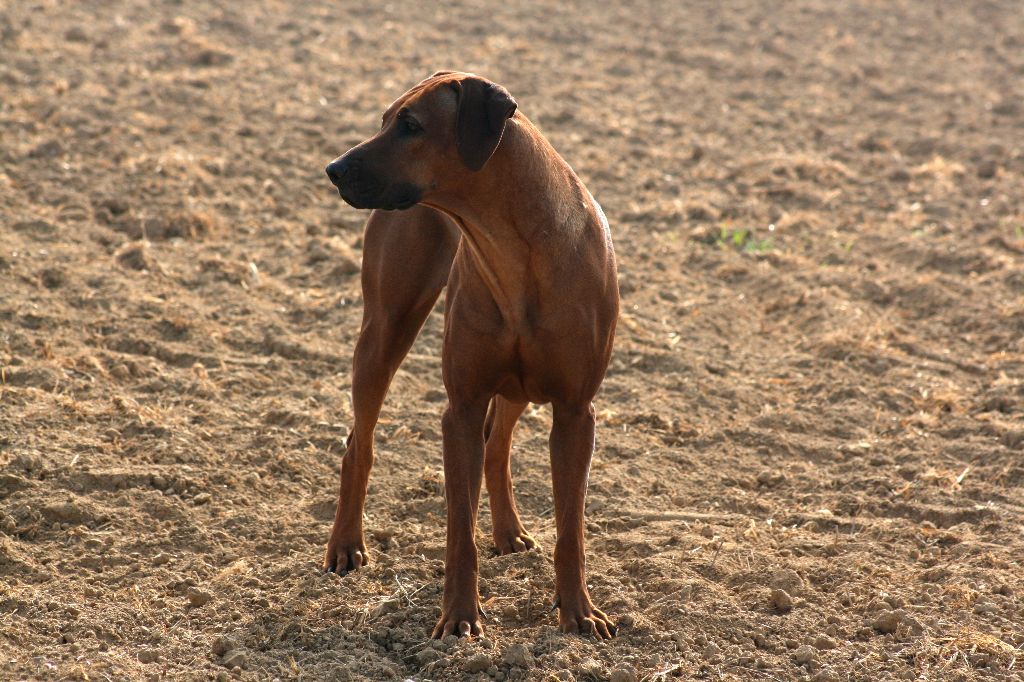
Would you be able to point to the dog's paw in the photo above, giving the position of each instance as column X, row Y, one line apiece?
column 514, row 540
column 581, row 617
column 343, row 557
column 459, row 622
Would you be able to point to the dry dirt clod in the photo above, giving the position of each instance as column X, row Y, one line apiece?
column 770, row 478
column 878, row 605
column 477, row 663
column 76, row 34
column 804, row 655
column 148, row 656
column 385, row 607
column 40, row 377
column 346, row 267
column 137, row 256
column 984, row 608
column 53, row 278
column 823, row 643
column 590, row 669
column 887, row 622
column 197, row 597
column 222, row 644
column 988, row 168
column 623, row 675
column 518, row 655
column 787, row 579
column 782, row 601
column 235, row 659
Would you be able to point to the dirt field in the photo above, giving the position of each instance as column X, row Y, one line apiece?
column 810, row 444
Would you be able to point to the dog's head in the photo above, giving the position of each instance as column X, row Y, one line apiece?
column 430, row 137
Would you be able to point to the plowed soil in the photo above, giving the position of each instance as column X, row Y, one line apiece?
column 809, row 459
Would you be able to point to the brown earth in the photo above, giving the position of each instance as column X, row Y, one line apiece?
column 810, row 451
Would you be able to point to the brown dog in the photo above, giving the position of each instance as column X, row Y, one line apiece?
column 532, row 301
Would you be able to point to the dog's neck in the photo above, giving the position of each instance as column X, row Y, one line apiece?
column 519, row 179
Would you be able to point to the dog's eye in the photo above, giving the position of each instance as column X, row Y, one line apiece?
column 407, row 125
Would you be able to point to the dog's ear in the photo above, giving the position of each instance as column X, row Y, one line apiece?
column 484, row 107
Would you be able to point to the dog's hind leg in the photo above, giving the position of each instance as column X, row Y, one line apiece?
column 509, row 534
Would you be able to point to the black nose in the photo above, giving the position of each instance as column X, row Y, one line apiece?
column 337, row 169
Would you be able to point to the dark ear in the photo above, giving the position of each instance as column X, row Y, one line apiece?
column 484, row 107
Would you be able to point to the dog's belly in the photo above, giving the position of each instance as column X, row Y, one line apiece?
column 519, row 389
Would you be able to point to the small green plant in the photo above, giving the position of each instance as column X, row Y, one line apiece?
column 743, row 240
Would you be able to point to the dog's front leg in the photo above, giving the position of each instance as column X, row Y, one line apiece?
column 462, row 432
column 572, row 446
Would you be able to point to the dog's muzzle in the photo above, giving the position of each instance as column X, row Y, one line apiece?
column 361, row 190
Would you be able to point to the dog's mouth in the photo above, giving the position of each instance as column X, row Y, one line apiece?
column 397, row 198
column 406, row 197
column 353, row 200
